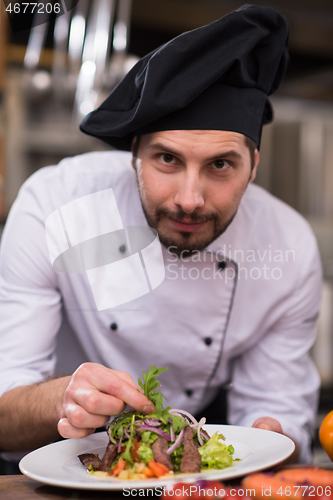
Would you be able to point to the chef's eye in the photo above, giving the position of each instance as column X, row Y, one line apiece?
column 167, row 158
column 220, row 164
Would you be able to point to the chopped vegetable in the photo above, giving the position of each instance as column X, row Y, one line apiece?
column 148, row 472
column 120, row 465
column 158, row 469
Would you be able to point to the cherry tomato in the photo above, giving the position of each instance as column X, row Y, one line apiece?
column 200, row 490
column 214, row 489
column 326, row 434
column 181, row 491
column 232, row 493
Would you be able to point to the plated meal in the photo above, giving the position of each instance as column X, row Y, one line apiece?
column 134, row 456
column 57, row 464
column 166, row 442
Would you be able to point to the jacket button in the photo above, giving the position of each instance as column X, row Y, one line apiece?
column 222, row 265
column 113, row 326
column 122, row 248
column 189, row 392
column 208, row 340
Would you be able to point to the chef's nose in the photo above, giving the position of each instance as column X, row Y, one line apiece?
column 189, row 195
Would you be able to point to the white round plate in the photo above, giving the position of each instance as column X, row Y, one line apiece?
column 57, row 464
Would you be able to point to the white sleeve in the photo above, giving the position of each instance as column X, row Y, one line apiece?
column 277, row 377
column 30, row 304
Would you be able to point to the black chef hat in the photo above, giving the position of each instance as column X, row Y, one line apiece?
column 216, row 77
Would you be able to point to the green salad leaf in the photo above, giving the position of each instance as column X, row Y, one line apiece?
column 176, row 457
column 148, row 437
column 145, row 453
column 150, row 387
column 214, row 454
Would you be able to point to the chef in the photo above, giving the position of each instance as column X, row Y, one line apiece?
column 164, row 253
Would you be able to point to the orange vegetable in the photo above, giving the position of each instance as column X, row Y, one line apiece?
column 135, row 450
column 148, row 472
column 326, row 434
column 267, row 486
column 311, row 475
column 120, row 465
column 157, row 468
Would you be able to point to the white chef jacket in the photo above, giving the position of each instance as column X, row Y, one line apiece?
column 251, row 323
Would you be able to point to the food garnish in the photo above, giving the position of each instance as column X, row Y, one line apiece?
column 168, row 441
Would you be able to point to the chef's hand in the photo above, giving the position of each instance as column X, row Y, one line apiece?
column 93, row 394
column 268, row 423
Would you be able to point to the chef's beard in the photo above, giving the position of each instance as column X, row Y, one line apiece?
column 185, row 241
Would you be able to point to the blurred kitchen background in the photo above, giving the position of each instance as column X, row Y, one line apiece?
column 53, row 74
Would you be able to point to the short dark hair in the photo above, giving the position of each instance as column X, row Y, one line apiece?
column 136, row 146
column 250, row 144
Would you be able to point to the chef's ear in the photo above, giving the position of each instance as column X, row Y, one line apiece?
column 256, row 162
column 134, row 150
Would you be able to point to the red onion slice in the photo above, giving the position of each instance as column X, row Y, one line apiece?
column 177, row 442
column 201, row 422
column 172, row 433
column 119, row 444
column 152, row 422
column 154, row 429
column 205, row 434
column 182, row 413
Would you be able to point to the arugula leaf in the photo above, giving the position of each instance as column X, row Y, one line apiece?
column 117, row 425
column 150, row 387
column 127, row 453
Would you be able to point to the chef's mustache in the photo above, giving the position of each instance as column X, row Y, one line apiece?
column 180, row 215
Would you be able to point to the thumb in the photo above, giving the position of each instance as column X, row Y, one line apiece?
column 269, row 424
column 264, row 426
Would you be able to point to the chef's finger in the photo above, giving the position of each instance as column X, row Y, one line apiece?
column 86, row 369
column 268, row 423
column 127, row 377
column 67, row 430
column 82, row 419
column 107, row 381
column 96, row 402
column 264, row 426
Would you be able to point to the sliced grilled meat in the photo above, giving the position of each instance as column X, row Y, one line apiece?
column 90, row 459
column 191, row 459
column 109, row 456
column 160, row 448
